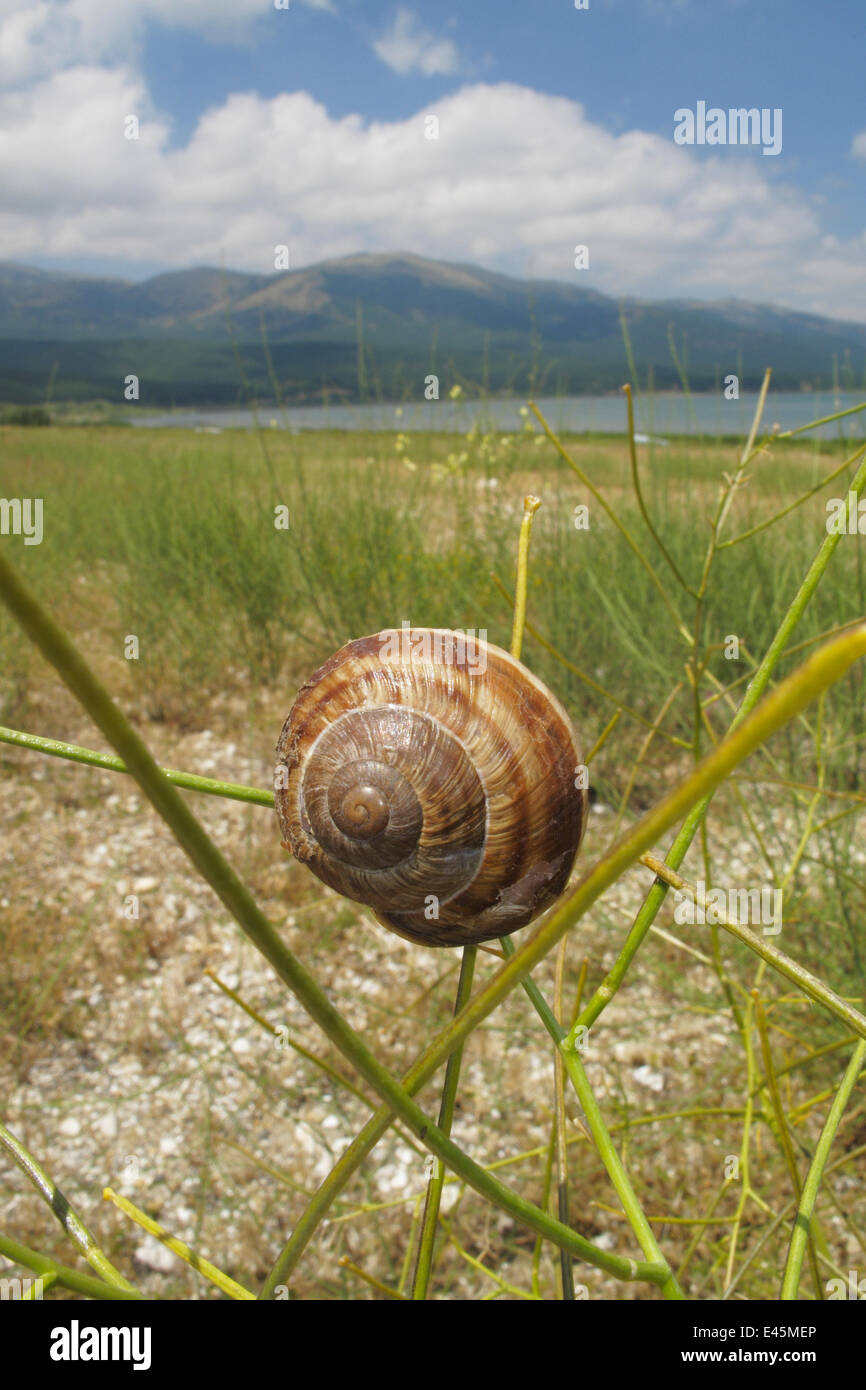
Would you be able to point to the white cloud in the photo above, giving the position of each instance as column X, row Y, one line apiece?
column 409, row 47
column 39, row 38
column 515, row 181
column 858, row 145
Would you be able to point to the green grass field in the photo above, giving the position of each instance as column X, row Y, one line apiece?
column 171, row 536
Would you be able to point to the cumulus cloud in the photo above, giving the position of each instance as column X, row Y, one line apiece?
column 38, row 37
column 408, row 47
column 858, row 145
column 515, row 181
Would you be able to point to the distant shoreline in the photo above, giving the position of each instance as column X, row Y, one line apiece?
column 658, row 419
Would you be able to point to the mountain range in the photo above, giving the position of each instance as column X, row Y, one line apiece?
column 376, row 325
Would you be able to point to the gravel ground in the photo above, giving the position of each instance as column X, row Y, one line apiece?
column 123, row 1064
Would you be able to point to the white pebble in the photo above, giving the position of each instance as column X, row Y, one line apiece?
column 144, row 885
column 154, row 1255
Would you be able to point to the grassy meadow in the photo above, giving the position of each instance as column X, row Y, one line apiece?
column 170, row 537
column 173, row 537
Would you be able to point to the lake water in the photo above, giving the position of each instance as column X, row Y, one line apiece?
column 656, row 416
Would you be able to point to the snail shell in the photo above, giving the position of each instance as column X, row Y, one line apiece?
column 432, row 777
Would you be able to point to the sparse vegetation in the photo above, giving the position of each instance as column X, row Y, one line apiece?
column 171, row 537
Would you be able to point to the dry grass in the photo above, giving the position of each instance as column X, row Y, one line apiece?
column 122, row 1062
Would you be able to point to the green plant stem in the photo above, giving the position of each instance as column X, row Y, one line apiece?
column 792, row 506
column 582, row 676
column 806, row 1208
column 783, row 1134
column 769, row 1231
column 536, row 998
column 223, row 1281
column 791, row 969
column 629, row 352
column 610, row 1157
column 613, row 1163
column 63, row 1210
column 332, row 1072
column 430, row 1220
column 559, row 1147
column 638, row 492
column 624, row 532
column 530, row 507
column 569, row 1059
column 682, row 372
column 366, row 1141
column 73, row 1279
column 825, row 420
column 374, row 1283
column 746, row 1191
column 606, row 871
column 757, row 686
column 167, row 801
column 436, row 1182
column 55, row 749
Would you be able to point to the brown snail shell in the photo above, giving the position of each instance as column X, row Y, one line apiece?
column 432, row 777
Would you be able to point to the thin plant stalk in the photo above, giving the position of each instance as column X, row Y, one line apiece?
column 189, row 780
column 430, row 1221
column 345, row 1263
column 436, row 1180
column 783, row 1132
column 624, row 532
column 51, row 1270
column 530, row 507
column 178, row 1247
column 610, row 1157
column 63, row 1210
column 583, row 676
column 812, row 1183
column 613, row 1163
column 792, row 506
column 790, row 969
column 635, row 478
column 824, row 420
column 332, row 1072
column 756, row 688
column 560, row 1146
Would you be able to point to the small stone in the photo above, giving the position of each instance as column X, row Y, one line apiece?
column 649, row 1077
column 144, row 885
column 153, row 1255
column 107, row 1125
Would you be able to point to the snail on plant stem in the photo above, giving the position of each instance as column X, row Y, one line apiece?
column 431, row 776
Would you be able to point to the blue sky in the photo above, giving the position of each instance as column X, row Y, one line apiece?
column 305, row 126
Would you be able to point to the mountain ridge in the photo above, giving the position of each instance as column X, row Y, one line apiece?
column 401, row 308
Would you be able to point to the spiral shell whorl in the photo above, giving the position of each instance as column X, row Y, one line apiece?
column 410, row 772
